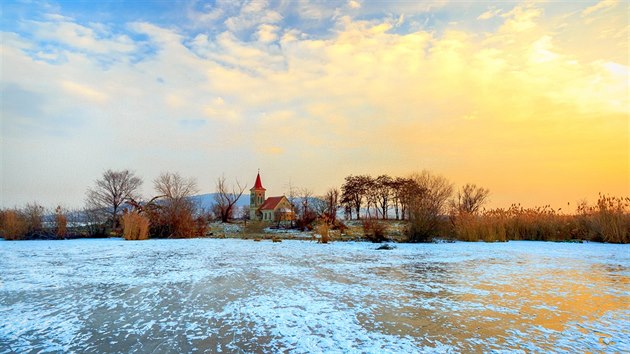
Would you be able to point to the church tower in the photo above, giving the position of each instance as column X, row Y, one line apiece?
column 256, row 198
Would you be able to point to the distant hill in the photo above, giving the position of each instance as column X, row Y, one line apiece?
column 206, row 201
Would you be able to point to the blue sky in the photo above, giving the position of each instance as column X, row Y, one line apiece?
column 529, row 99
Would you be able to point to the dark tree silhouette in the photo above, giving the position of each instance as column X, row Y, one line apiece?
column 353, row 192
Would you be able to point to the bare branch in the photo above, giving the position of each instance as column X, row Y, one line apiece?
column 112, row 190
column 226, row 199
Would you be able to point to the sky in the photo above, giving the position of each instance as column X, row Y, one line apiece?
column 527, row 99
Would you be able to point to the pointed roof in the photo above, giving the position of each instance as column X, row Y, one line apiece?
column 258, row 185
column 271, row 203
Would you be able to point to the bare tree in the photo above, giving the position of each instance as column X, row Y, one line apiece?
column 111, row 191
column 175, row 187
column 427, row 205
column 397, row 195
column 407, row 191
column 332, row 205
column 319, row 206
column 95, row 221
column 291, row 194
column 174, row 215
column 306, row 212
column 371, row 195
column 383, row 189
column 226, row 198
column 470, row 198
column 354, row 193
column 243, row 213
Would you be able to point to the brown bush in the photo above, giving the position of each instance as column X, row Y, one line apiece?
column 173, row 219
column 374, row 230
column 13, row 225
column 61, row 222
column 339, row 225
column 135, row 226
column 201, row 225
column 254, row 227
column 33, row 214
column 323, row 231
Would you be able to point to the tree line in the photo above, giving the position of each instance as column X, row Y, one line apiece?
column 428, row 205
column 114, row 206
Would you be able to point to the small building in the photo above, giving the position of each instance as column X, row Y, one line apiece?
column 272, row 209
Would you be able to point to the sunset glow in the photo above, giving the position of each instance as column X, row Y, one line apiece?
column 530, row 100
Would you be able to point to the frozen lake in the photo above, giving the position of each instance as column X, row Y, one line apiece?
column 237, row 295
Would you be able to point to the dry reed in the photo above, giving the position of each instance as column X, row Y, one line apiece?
column 13, row 225
column 135, row 226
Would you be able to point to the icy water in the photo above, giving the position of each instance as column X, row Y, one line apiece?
column 205, row 295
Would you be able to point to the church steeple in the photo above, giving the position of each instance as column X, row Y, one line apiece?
column 258, row 185
column 256, row 198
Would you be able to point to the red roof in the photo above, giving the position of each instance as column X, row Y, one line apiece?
column 258, row 184
column 271, row 203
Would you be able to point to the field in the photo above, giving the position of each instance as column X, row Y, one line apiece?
column 231, row 295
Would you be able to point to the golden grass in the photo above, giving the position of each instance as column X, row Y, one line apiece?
column 135, row 226
column 13, row 225
column 61, row 222
column 607, row 221
column 323, row 231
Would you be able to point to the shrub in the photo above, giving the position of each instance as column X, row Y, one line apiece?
column 135, row 226
column 173, row 219
column 201, row 225
column 305, row 222
column 13, row 225
column 339, row 225
column 33, row 214
column 61, row 222
column 323, row 231
column 423, row 225
column 254, row 227
column 374, row 230
column 95, row 223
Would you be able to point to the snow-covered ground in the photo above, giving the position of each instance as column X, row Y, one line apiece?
column 239, row 295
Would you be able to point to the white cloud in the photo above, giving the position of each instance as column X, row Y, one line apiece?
column 267, row 33
column 602, row 5
column 251, row 15
column 354, row 4
column 542, row 50
column 312, row 11
column 521, row 18
column 490, row 13
column 76, row 36
column 254, row 7
column 83, row 90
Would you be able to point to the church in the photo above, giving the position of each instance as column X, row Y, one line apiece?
column 272, row 209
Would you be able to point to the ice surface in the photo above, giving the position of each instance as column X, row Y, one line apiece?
column 237, row 295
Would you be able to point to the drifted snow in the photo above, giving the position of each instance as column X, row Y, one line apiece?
column 239, row 295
